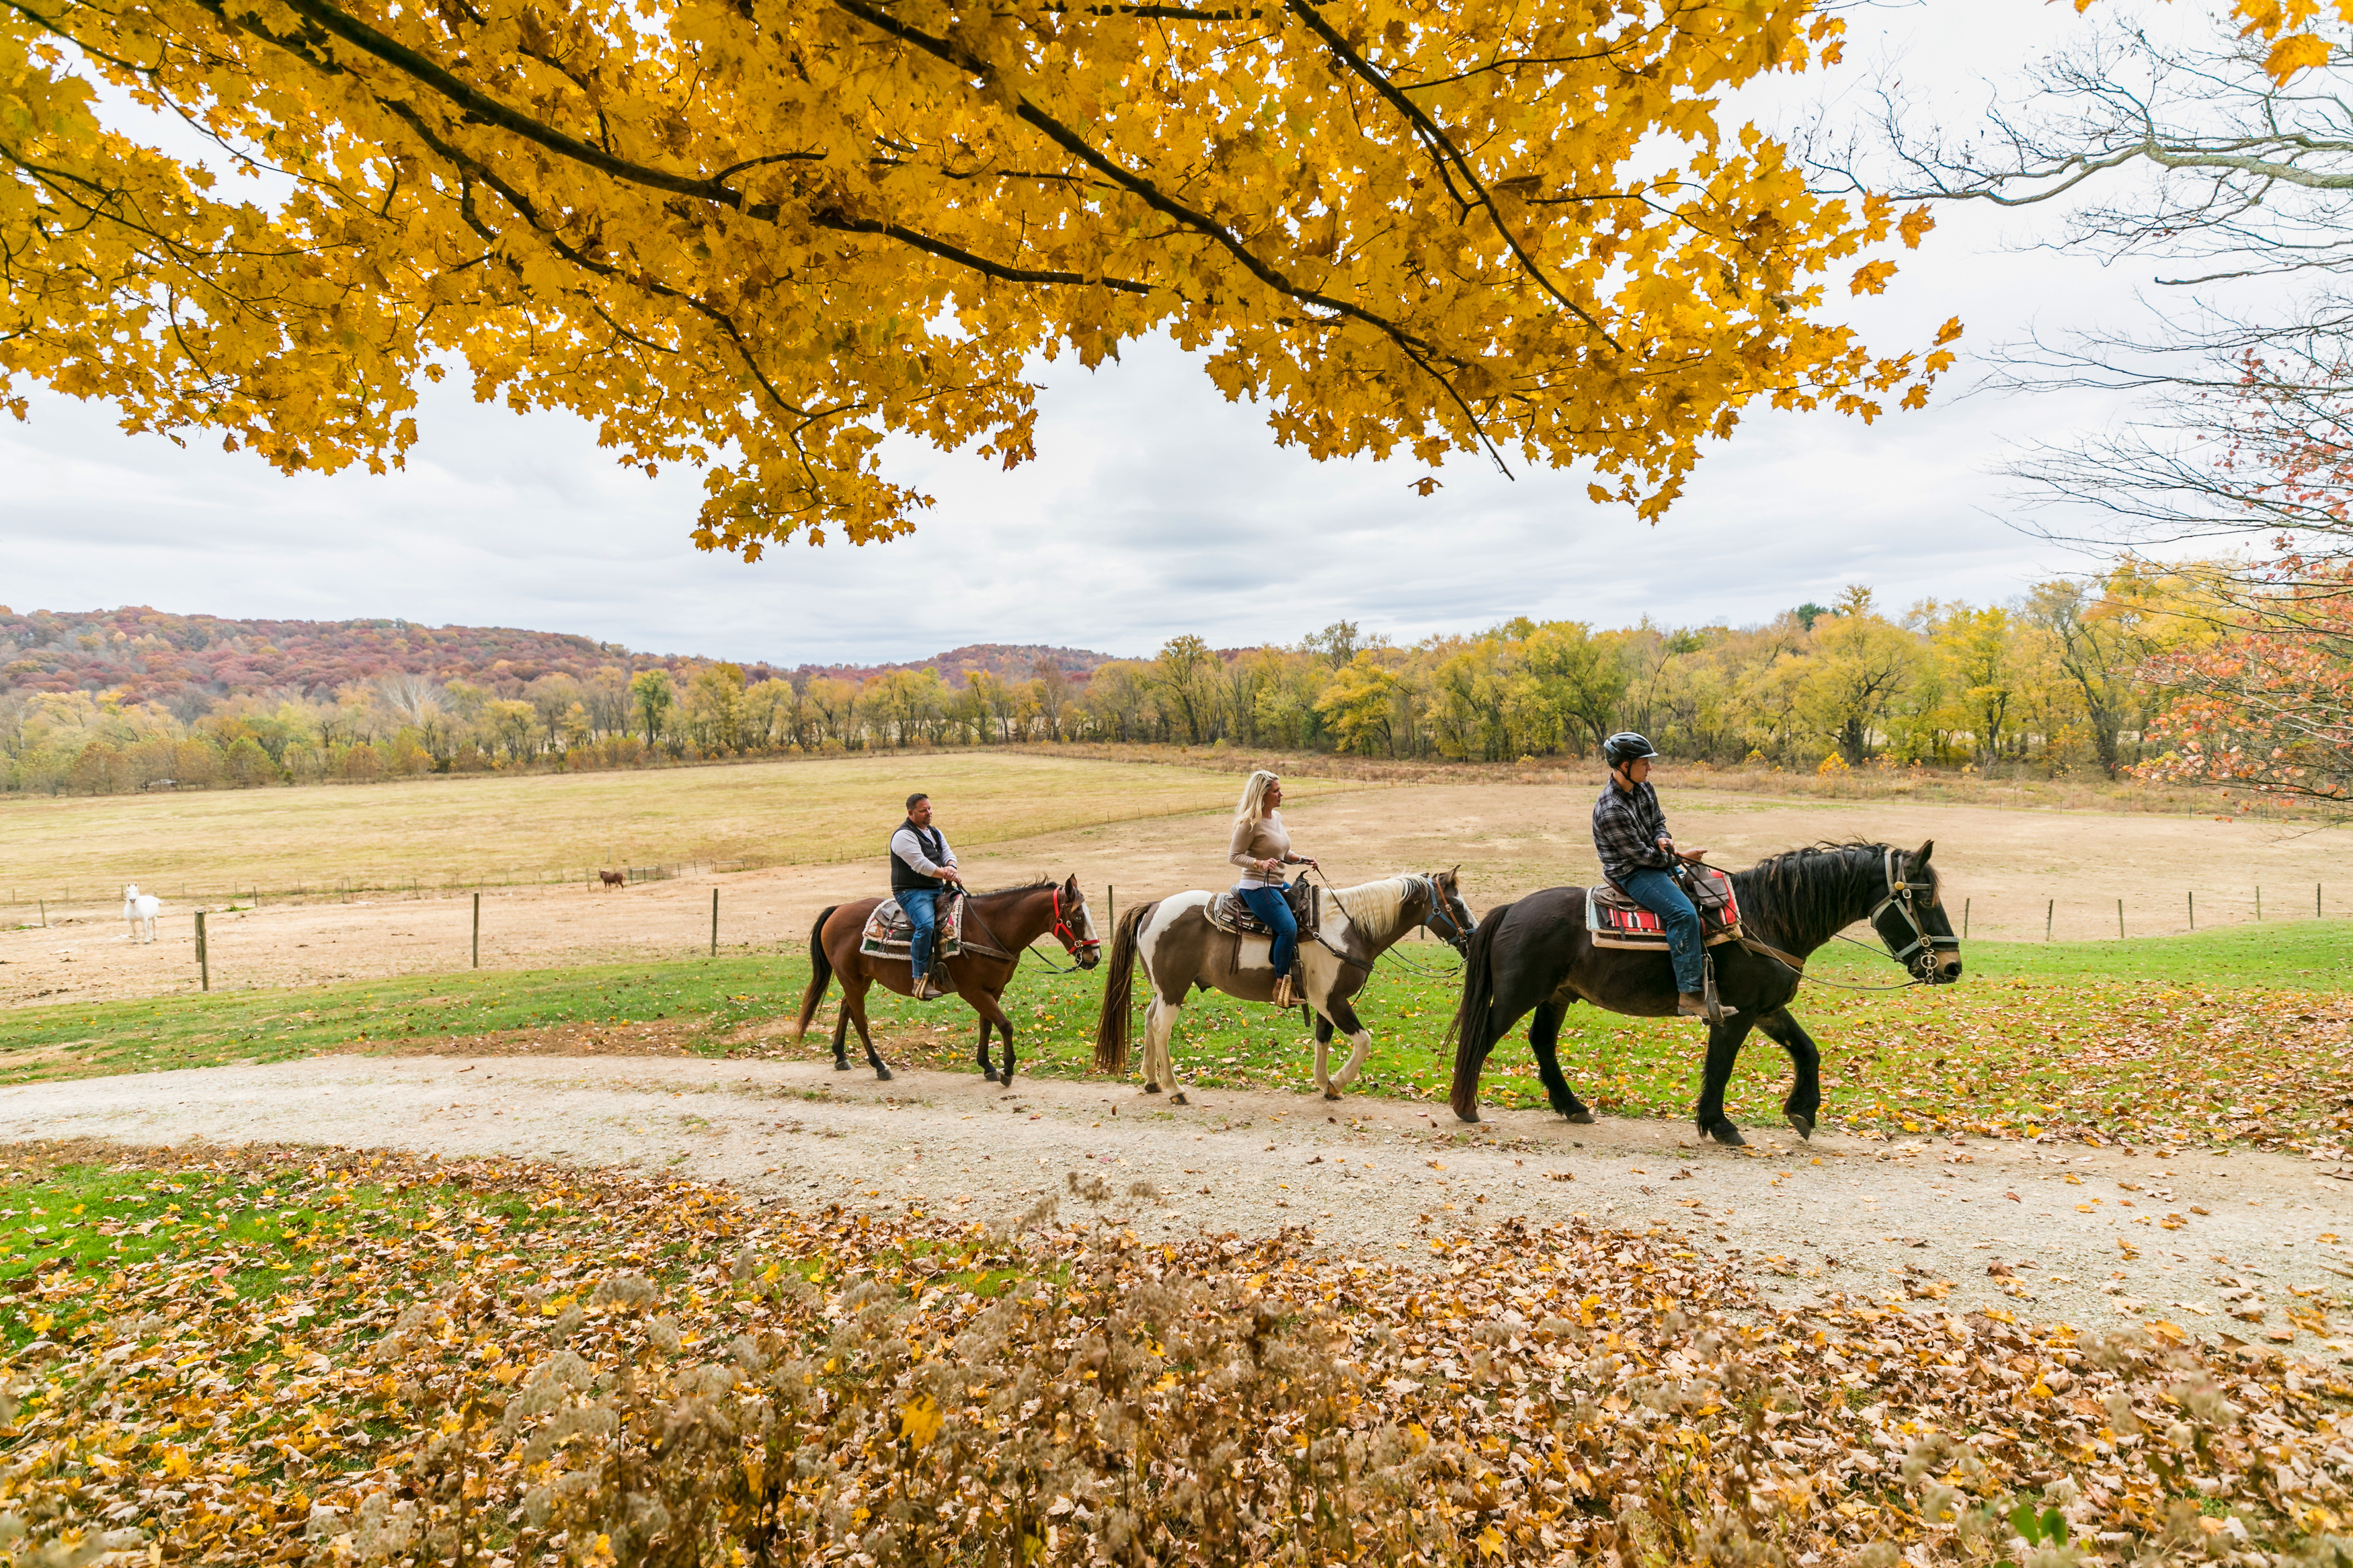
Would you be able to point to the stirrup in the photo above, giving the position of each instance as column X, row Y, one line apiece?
column 1285, row 996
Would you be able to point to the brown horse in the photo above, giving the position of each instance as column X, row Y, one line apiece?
column 998, row 928
column 1535, row 956
column 611, row 879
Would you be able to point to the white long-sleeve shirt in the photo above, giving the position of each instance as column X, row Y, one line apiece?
column 908, row 848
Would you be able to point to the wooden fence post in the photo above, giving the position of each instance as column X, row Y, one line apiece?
column 203, row 963
column 714, row 923
column 478, row 930
column 1965, row 919
column 45, row 914
column 2193, row 909
column 2120, row 919
column 2259, row 900
column 2049, row 910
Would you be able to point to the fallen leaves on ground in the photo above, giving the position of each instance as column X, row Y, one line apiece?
column 550, row 1366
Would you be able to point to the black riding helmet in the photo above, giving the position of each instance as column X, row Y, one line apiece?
column 1625, row 747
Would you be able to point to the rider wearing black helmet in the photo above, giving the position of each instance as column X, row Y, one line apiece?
column 1638, row 855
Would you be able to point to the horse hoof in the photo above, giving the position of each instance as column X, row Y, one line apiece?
column 1332, row 1094
column 1725, row 1133
column 882, row 1075
column 1471, row 1115
column 1581, row 1118
column 988, row 1073
column 1178, row 1099
column 840, row 1066
column 1152, row 1089
column 1804, row 1124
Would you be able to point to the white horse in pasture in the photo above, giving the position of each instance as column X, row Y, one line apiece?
column 141, row 908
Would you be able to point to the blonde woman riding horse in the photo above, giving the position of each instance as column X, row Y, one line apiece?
column 1261, row 849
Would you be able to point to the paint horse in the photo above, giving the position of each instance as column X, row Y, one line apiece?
column 1180, row 948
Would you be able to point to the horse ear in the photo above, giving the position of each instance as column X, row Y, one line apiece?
column 1455, row 876
column 1926, row 849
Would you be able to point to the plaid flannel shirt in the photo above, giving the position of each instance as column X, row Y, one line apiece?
column 1626, row 828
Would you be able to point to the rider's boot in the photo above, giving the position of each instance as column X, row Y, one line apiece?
column 1694, row 1006
column 1285, row 996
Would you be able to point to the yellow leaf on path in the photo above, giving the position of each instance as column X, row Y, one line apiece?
column 1491, row 1542
column 919, row 1422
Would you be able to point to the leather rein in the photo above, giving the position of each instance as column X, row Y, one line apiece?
column 1453, row 935
column 1064, row 931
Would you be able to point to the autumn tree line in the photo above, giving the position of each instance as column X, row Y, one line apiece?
column 2056, row 681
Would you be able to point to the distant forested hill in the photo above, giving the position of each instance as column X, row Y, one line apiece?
column 1010, row 662
column 193, row 660
column 157, row 657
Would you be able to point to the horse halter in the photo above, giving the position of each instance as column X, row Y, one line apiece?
column 1066, row 934
column 1923, row 947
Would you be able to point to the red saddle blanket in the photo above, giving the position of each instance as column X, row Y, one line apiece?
column 1613, row 919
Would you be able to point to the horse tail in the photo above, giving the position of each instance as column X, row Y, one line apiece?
column 1472, row 1031
column 1119, row 990
column 820, row 972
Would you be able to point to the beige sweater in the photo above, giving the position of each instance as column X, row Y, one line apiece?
column 1262, row 840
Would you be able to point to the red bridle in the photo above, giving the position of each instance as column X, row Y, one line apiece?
column 1069, row 939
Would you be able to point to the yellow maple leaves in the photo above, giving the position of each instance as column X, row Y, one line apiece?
column 2285, row 24
column 761, row 235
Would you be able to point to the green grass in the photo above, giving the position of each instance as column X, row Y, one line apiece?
column 2307, row 955
column 2228, row 1034
column 96, row 1220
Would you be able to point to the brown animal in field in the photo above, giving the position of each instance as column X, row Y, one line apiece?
column 611, row 879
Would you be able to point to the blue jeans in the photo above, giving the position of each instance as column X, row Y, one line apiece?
column 1657, row 892
column 1268, row 904
column 918, row 903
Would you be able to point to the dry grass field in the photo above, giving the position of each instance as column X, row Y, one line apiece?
column 80, row 850
column 813, row 834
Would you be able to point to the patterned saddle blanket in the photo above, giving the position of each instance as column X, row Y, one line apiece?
column 888, row 934
column 1228, row 913
column 1613, row 919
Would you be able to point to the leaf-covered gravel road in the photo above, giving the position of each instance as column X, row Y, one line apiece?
column 2240, row 1243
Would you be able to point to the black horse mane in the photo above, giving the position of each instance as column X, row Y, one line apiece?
column 1030, row 886
column 1811, row 892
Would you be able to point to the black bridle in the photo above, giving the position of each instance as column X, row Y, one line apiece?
column 1897, row 916
column 1449, row 907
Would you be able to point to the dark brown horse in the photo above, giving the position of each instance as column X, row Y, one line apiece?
column 998, row 928
column 1537, row 956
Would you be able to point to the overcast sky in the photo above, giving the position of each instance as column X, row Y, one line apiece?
column 1153, row 508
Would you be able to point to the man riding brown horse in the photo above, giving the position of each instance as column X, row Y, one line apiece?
column 922, row 868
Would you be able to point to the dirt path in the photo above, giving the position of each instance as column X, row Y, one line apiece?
column 2097, row 1238
column 1508, row 838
